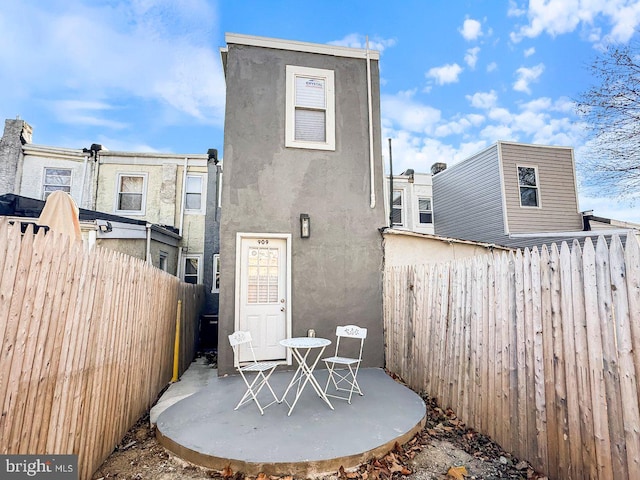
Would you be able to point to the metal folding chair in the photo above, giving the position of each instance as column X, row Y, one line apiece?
column 345, row 379
column 263, row 371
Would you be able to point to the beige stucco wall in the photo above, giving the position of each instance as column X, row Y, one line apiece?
column 411, row 249
column 163, row 196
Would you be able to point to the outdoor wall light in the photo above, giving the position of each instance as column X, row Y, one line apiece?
column 305, row 225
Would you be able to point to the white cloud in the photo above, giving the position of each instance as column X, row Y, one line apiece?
column 529, row 51
column 515, row 10
column 557, row 17
column 355, row 40
column 471, row 57
column 445, row 74
column 471, row 29
column 525, row 76
column 483, row 100
column 458, row 126
column 158, row 67
column 403, row 111
column 492, row 66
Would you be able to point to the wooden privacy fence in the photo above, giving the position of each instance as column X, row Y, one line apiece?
column 87, row 344
column 539, row 350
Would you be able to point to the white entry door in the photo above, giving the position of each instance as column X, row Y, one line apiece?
column 263, row 301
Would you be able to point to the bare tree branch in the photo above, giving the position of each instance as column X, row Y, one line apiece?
column 611, row 109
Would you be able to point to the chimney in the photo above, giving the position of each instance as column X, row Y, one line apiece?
column 438, row 167
column 16, row 133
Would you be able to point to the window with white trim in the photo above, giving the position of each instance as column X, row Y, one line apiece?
column 397, row 214
column 191, row 270
column 528, row 185
column 163, row 260
column 310, row 108
column 56, row 179
column 215, row 287
column 425, row 213
column 131, row 196
column 193, row 193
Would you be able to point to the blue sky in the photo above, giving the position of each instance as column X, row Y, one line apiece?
column 456, row 76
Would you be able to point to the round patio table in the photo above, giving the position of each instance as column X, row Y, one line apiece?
column 300, row 348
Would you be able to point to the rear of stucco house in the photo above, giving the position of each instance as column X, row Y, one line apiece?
column 302, row 141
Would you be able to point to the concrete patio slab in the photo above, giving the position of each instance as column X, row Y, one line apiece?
column 204, row 429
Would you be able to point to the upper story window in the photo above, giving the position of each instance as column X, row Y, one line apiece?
column 310, row 108
column 191, row 272
column 397, row 214
column 132, row 188
column 56, row 179
column 425, row 214
column 528, row 184
column 193, row 193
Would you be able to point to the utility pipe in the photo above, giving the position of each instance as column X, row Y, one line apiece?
column 84, row 181
column 372, row 204
column 148, row 226
column 184, row 195
column 176, row 345
column 390, row 187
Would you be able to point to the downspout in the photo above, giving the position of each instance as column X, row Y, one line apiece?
column 184, row 186
column 148, row 227
column 84, row 180
column 369, row 101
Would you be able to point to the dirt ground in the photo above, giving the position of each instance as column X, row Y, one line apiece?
column 444, row 449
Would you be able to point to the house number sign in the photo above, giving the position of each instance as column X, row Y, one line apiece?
column 263, row 242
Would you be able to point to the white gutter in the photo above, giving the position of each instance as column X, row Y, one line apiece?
column 184, row 196
column 369, row 101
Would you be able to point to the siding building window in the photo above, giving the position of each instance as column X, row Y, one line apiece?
column 310, row 108
column 192, row 269
column 425, row 214
column 131, row 193
column 528, row 183
column 397, row 214
column 56, row 179
column 193, row 193
column 216, row 273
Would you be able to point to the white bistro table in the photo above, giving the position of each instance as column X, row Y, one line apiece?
column 300, row 349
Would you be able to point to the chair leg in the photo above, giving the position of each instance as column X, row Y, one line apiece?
column 259, row 381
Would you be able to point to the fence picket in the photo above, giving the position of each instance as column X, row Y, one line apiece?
column 581, row 340
column 628, row 385
column 569, row 354
column 610, row 362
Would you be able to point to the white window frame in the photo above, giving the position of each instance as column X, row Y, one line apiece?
column 424, row 197
column 200, row 210
column 184, row 267
column 292, row 72
column 402, row 208
column 216, row 273
column 143, row 206
column 45, row 184
column 537, row 186
column 163, row 260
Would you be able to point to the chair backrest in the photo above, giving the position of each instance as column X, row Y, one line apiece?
column 351, row 331
column 236, row 339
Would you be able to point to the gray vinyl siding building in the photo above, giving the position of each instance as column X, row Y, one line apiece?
column 467, row 199
column 479, row 199
column 335, row 274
